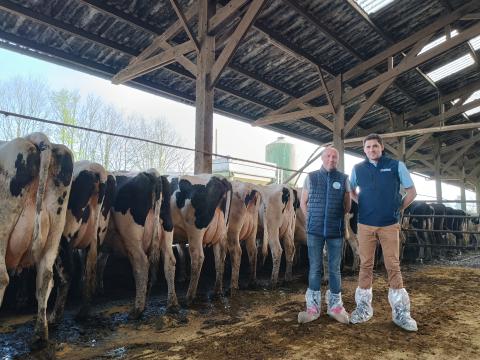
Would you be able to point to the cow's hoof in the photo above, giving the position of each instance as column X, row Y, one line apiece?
column 38, row 343
column 135, row 314
column 233, row 291
column 173, row 308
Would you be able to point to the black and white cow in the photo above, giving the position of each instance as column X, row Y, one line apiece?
column 438, row 238
column 200, row 211
column 81, row 232
column 134, row 228
column 420, row 218
column 35, row 180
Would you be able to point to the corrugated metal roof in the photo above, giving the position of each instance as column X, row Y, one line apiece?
column 273, row 64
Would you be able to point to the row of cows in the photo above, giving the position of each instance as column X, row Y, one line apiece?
column 453, row 230
column 54, row 206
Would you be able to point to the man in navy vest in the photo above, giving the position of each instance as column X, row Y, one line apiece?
column 325, row 200
column 379, row 205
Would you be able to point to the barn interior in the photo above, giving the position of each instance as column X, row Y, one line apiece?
column 387, row 67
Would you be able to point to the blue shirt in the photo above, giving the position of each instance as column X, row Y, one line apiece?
column 405, row 178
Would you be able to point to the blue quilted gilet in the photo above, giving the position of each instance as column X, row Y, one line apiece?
column 325, row 203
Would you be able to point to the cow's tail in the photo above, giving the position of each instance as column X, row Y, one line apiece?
column 45, row 147
column 265, row 232
column 154, row 249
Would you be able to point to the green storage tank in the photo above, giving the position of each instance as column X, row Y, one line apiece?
column 282, row 153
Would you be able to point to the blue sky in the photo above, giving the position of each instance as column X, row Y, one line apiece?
column 180, row 116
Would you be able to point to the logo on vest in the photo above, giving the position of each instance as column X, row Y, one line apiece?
column 387, row 169
column 336, row 185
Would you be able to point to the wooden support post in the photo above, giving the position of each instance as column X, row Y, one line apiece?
column 463, row 196
column 438, row 173
column 402, row 149
column 339, row 123
column 204, row 92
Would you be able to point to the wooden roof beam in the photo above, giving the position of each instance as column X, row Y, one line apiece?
column 234, row 40
column 411, row 40
column 454, row 111
column 465, row 90
column 464, row 36
column 153, row 63
column 417, row 145
column 184, row 21
column 224, row 15
column 410, row 132
column 295, row 115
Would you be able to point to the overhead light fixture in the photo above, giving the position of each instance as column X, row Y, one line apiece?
column 371, row 6
column 451, row 68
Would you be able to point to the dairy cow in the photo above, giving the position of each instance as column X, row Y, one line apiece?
column 276, row 225
column 81, row 232
column 134, row 228
column 35, row 180
column 200, row 208
column 242, row 226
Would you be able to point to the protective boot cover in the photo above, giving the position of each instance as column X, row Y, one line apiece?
column 313, row 299
column 364, row 310
column 335, row 307
column 400, row 303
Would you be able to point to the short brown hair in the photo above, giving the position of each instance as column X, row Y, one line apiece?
column 373, row 136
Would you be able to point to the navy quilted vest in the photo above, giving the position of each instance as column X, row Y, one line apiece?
column 379, row 198
column 325, row 203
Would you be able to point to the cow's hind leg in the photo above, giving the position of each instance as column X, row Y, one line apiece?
column 235, row 252
column 196, row 259
column 4, row 279
column 44, row 283
column 169, row 264
column 251, row 246
column 289, row 247
column 101, row 264
column 276, row 250
column 139, row 262
column 90, row 280
column 63, row 270
column 220, row 253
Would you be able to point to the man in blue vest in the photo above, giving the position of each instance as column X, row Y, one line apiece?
column 325, row 200
column 379, row 205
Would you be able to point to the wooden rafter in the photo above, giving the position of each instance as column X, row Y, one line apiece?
column 234, row 41
column 454, row 111
column 460, row 144
column 456, row 156
column 464, row 36
column 410, row 132
column 153, row 63
column 291, row 116
column 324, row 86
column 184, row 21
column 468, row 89
column 417, row 145
column 225, row 14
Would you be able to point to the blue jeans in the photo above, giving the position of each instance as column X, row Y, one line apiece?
column 315, row 245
